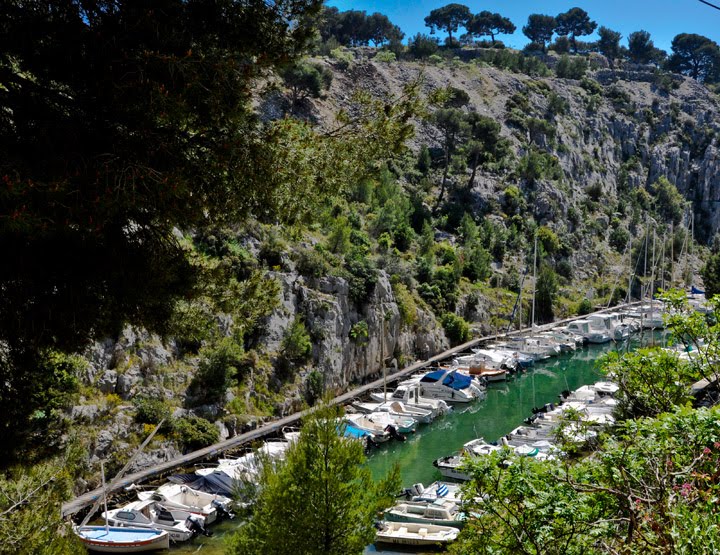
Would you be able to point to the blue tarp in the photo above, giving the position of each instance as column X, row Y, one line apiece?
column 432, row 377
column 453, row 379
column 695, row 291
column 457, row 381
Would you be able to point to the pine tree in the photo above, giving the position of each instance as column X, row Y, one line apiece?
column 320, row 500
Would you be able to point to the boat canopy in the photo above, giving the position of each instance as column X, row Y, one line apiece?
column 454, row 380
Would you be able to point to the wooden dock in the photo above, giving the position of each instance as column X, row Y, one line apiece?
column 275, row 427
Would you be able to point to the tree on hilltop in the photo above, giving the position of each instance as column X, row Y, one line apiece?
column 574, row 23
column 696, row 56
column 609, row 44
column 381, row 30
column 641, row 49
column 540, row 29
column 448, row 18
column 490, row 24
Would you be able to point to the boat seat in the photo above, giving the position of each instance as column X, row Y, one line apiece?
column 422, row 532
column 402, row 530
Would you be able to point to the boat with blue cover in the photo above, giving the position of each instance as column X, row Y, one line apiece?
column 111, row 539
column 450, row 385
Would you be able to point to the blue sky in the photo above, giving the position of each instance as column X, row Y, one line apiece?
column 663, row 19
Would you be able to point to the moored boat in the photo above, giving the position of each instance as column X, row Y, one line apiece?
column 112, row 539
column 177, row 496
column 409, row 533
column 441, row 512
column 181, row 525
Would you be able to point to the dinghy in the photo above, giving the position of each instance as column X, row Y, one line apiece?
column 111, row 539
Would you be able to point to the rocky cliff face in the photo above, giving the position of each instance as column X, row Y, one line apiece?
column 638, row 125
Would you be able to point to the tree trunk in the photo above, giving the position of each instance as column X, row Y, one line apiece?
column 442, row 185
column 474, row 170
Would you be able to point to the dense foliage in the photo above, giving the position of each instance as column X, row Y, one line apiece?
column 648, row 486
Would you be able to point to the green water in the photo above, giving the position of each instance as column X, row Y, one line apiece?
column 506, row 406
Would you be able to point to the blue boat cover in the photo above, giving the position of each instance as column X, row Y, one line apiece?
column 432, row 377
column 114, row 534
column 695, row 291
column 453, row 379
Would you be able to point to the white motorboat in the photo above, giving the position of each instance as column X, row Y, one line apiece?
column 451, row 386
column 450, row 466
column 435, row 491
column 107, row 539
column 397, row 408
column 592, row 335
column 610, row 323
column 403, row 424
column 570, row 335
column 176, row 496
column 442, row 512
column 486, row 363
column 379, row 432
column 181, row 525
column 408, row 392
column 410, row 533
column 561, row 340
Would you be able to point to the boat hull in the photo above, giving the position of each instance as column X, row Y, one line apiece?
column 415, row 534
column 122, row 540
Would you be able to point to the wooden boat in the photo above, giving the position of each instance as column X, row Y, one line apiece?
column 111, row 539
column 408, row 533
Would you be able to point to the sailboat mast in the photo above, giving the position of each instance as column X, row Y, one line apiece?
column 102, row 474
column 532, row 323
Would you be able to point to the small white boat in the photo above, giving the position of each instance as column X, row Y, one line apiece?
column 450, row 466
column 441, row 512
column 181, row 525
column 397, row 408
column 403, row 424
column 409, row 533
column 107, row 539
column 592, row 335
column 176, row 496
column 378, row 432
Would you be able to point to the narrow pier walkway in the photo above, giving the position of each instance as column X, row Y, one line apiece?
column 78, row 504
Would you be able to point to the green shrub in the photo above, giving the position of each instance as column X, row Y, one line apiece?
column 385, row 56
column 571, row 68
column 585, row 307
column 435, row 59
column 406, row 304
column 343, row 58
column 311, row 263
column 314, row 386
column 194, row 432
column 456, row 328
column 359, row 332
column 218, row 367
column 151, row 411
column 362, row 277
column 296, row 345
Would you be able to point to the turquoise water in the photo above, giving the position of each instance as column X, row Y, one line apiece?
column 506, row 406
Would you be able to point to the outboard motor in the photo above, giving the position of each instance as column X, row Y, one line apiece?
column 222, row 509
column 197, row 526
column 392, row 430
